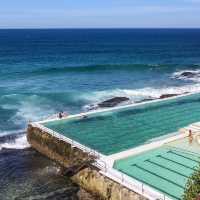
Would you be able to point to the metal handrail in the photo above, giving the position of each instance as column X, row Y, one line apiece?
column 68, row 140
column 135, row 185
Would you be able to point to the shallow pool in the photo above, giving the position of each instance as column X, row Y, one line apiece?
column 112, row 132
column 167, row 168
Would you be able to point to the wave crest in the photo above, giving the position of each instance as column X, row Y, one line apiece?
column 20, row 142
column 93, row 68
column 137, row 95
column 187, row 75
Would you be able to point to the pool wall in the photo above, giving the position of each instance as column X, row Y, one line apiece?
column 93, row 177
column 132, row 105
column 54, row 148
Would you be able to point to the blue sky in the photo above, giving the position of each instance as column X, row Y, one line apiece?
column 99, row 13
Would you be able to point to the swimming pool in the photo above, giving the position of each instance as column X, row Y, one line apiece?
column 167, row 168
column 114, row 131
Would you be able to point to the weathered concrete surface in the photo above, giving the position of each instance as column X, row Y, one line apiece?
column 88, row 178
column 93, row 181
column 54, row 148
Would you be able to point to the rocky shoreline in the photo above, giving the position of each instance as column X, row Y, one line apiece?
column 115, row 101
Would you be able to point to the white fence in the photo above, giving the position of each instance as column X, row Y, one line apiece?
column 129, row 182
column 68, row 140
column 134, row 185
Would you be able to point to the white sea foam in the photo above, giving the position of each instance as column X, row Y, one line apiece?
column 13, row 132
column 139, row 94
column 194, row 78
column 18, row 143
column 29, row 108
column 49, row 170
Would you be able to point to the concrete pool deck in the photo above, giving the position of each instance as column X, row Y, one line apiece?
column 104, row 179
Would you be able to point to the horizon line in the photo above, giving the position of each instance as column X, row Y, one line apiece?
column 15, row 28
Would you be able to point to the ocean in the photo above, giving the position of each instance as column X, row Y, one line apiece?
column 44, row 71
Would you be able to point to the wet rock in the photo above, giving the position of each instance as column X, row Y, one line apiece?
column 144, row 100
column 188, row 74
column 112, row 102
column 163, row 96
column 117, row 100
column 84, row 195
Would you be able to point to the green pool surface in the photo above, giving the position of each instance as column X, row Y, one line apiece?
column 114, row 131
column 166, row 168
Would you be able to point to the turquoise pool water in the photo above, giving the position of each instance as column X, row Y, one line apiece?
column 112, row 132
column 166, row 168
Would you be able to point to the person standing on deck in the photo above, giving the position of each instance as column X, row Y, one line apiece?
column 190, row 136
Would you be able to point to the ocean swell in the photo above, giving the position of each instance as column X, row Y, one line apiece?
column 91, row 68
column 85, row 68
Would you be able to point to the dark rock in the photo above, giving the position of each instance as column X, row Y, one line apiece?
column 144, row 100
column 188, row 74
column 112, row 102
column 117, row 100
column 163, row 96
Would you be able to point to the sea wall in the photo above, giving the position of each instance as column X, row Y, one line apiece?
column 88, row 177
column 56, row 149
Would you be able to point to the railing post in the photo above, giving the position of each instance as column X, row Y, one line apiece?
column 72, row 144
column 105, row 167
column 142, row 188
column 122, row 177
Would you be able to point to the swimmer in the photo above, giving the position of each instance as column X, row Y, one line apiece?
column 60, row 115
column 190, row 136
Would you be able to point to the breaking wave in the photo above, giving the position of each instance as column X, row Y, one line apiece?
column 138, row 94
column 18, row 141
column 18, row 109
column 12, row 133
column 193, row 75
